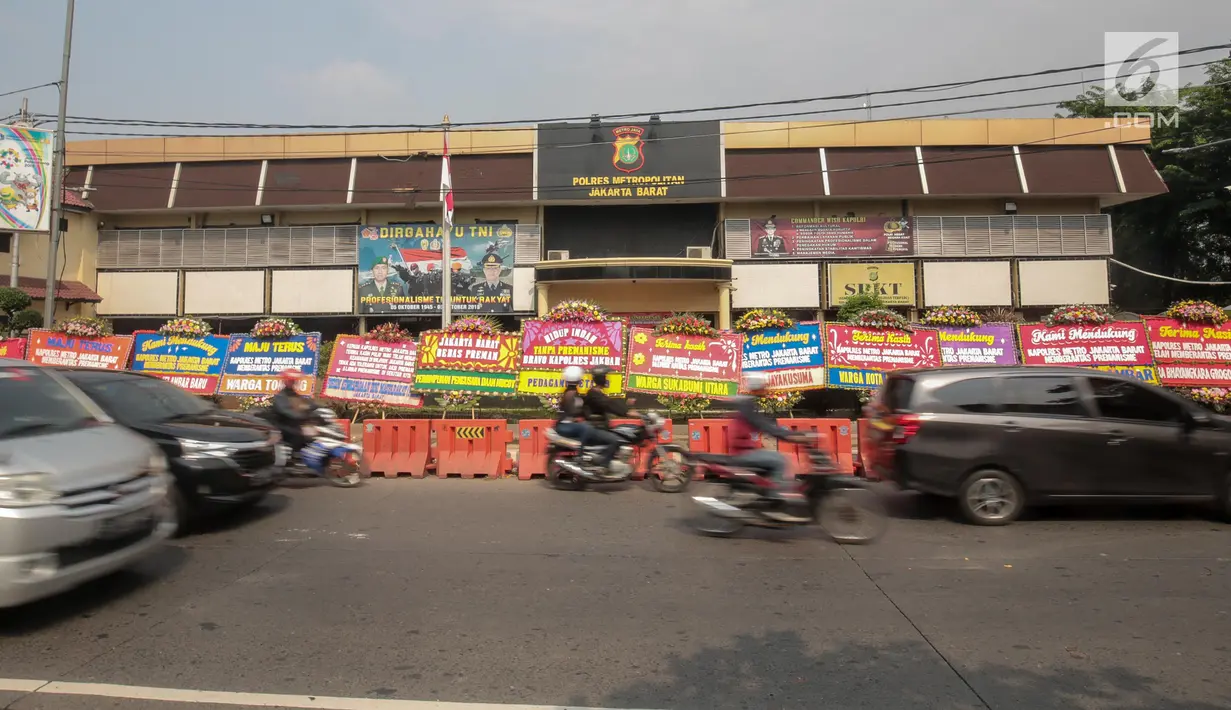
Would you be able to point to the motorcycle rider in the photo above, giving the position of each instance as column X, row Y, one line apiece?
column 570, row 421
column 599, row 410
column 747, row 452
column 291, row 410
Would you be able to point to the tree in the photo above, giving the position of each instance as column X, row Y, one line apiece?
column 1185, row 233
column 16, row 317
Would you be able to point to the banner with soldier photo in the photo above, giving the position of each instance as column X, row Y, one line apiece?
column 400, row 268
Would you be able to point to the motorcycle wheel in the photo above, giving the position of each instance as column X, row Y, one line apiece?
column 344, row 472
column 852, row 516
column 669, row 475
column 708, row 523
column 562, row 479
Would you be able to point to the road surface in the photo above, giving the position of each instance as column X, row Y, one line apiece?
column 509, row 593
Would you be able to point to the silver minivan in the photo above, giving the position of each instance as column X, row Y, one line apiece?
column 80, row 496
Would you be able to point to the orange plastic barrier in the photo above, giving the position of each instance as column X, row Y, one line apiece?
column 532, row 447
column 865, row 451
column 345, row 425
column 472, row 447
column 835, row 439
column 712, row 436
column 392, row 447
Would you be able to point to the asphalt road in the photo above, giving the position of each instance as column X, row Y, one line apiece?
column 508, row 592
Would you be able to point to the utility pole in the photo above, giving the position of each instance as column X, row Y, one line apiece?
column 23, row 119
column 57, row 177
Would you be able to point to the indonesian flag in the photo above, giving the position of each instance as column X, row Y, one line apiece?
column 446, row 187
column 428, row 260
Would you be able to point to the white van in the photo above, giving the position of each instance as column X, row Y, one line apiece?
column 80, row 496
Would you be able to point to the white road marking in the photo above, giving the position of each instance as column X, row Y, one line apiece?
column 261, row 700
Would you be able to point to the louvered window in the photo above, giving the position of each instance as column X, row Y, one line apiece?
column 737, row 239
column 528, row 247
column 228, row 248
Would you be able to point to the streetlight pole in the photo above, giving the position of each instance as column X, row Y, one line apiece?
column 57, row 176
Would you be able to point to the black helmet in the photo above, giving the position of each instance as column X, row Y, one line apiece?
column 599, row 374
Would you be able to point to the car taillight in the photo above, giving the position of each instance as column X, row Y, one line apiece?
column 905, row 427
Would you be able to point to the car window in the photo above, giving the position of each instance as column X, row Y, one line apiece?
column 894, row 395
column 977, row 395
column 1120, row 399
column 1043, row 396
column 141, row 400
column 36, row 403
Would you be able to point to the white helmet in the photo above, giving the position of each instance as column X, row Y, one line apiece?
column 573, row 375
column 755, row 381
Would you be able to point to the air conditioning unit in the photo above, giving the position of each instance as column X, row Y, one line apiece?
column 557, row 254
column 700, row 253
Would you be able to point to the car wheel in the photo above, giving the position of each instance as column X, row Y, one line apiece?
column 991, row 497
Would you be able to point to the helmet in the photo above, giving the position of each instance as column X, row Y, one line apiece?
column 755, row 382
column 572, row 375
column 290, row 378
column 599, row 373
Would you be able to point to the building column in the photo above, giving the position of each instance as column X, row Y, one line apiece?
column 540, row 295
column 724, row 306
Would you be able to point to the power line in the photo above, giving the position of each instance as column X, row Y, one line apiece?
column 1169, row 278
column 29, row 88
column 815, row 112
column 983, row 153
column 671, row 112
column 1202, row 146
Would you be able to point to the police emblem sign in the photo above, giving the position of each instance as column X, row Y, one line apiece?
column 629, row 161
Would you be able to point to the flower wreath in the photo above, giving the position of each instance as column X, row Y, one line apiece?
column 1196, row 312
column 389, row 333
column 685, row 324
column 779, row 401
column 763, row 319
column 186, row 327
column 577, row 311
column 85, row 327
column 475, row 324
column 953, row 316
column 275, row 328
column 1080, row 314
column 457, row 400
column 687, row 404
column 880, row 318
column 1217, row 397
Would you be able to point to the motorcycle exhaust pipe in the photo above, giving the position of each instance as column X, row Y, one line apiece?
column 719, row 508
column 573, row 468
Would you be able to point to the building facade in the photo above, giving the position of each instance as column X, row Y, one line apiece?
column 340, row 231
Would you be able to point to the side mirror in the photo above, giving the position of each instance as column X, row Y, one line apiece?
column 1195, row 419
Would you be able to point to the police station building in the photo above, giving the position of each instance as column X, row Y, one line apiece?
column 340, row 231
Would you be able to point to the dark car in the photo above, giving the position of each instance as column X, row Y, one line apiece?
column 220, row 460
column 1000, row 438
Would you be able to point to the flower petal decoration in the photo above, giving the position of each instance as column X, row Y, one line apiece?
column 881, row 318
column 186, row 327
column 475, row 324
column 389, row 333
column 1191, row 311
column 85, row 327
column 275, row 328
column 577, row 311
column 953, row 316
column 687, row 404
column 686, row 324
column 1080, row 314
column 779, row 401
column 763, row 319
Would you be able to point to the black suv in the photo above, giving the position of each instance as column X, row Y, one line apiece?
column 220, row 459
column 999, row 438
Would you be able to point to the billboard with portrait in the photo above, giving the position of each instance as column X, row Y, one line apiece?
column 400, row 268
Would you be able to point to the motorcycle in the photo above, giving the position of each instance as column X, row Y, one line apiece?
column 821, row 496
column 329, row 454
column 569, row 464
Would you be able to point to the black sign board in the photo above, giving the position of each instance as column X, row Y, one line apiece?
column 629, row 161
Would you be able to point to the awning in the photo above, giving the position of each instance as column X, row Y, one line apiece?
column 71, row 291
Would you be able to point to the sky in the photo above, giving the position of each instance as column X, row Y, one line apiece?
column 412, row 61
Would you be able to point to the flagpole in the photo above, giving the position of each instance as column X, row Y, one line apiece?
column 446, row 253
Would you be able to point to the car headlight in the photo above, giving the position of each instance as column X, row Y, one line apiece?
column 25, row 490
column 194, row 449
